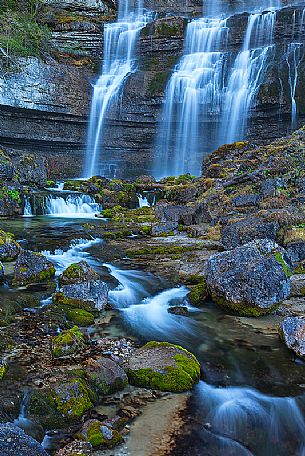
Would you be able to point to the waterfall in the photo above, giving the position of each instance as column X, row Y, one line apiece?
column 27, row 207
column 294, row 55
column 119, row 62
column 74, row 206
column 208, row 100
column 193, row 95
column 246, row 76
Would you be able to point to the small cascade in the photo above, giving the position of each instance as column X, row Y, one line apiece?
column 143, row 201
column 246, row 76
column 229, row 417
column 193, row 96
column 294, row 55
column 27, row 207
column 120, row 39
column 74, row 206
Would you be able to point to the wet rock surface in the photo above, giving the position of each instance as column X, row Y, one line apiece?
column 13, row 441
column 292, row 331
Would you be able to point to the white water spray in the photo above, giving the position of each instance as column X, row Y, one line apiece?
column 74, row 206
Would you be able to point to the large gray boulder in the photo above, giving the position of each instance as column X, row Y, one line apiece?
column 248, row 230
column 292, row 331
column 250, row 280
column 14, row 442
column 82, row 287
column 32, row 267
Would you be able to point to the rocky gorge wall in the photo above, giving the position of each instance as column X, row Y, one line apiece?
column 44, row 103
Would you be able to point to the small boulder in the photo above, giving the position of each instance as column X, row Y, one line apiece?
column 14, row 441
column 294, row 242
column 9, row 249
column 250, row 280
column 32, row 267
column 161, row 229
column 100, row 435
column 81, row 287
column 163, row 366
column 292, row 331
column 182, row 311
column 297, row 285
column 248, row 230
column 67, row 342
column 107, row 375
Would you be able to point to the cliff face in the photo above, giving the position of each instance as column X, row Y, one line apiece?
column 44, row 103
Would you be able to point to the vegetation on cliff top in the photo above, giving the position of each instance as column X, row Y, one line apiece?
column 21, row 34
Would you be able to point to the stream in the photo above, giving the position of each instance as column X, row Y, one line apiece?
column 250, row 400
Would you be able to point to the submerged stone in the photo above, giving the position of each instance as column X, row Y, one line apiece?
column 32, row 267
column 163, row 366
column 292, row 331
column 250, row 280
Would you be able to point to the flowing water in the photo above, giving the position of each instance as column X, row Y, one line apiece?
column 119, row 61
column 211, row 93
column 250, row 402
column 74, row 206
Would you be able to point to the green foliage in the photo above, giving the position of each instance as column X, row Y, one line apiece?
column 158, row 83
column 20, row 32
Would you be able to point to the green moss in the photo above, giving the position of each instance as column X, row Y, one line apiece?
column 67, row 342
column 160, row 250
column 80, row 317
column 199, row 293
column 46, row 274
column 61, row 300
column 172, row 378
column 20, row 32
column 2, row 371
column 96, row 437
column 243, row 309
column 73, row 399
column 282, row 262
column 158, row 83
column 42, row 408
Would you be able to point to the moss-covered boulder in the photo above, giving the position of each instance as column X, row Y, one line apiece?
column 199, row 293
column 9, row 248
column 163, row 366
column 32, row 267
column 106, row 375
column 73, row 398
column 67, row 342
column 100, row 435
column 251, row 280
column 81, row 287
column 292, row 332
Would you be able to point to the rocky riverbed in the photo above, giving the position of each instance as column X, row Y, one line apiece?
column 161, row 328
